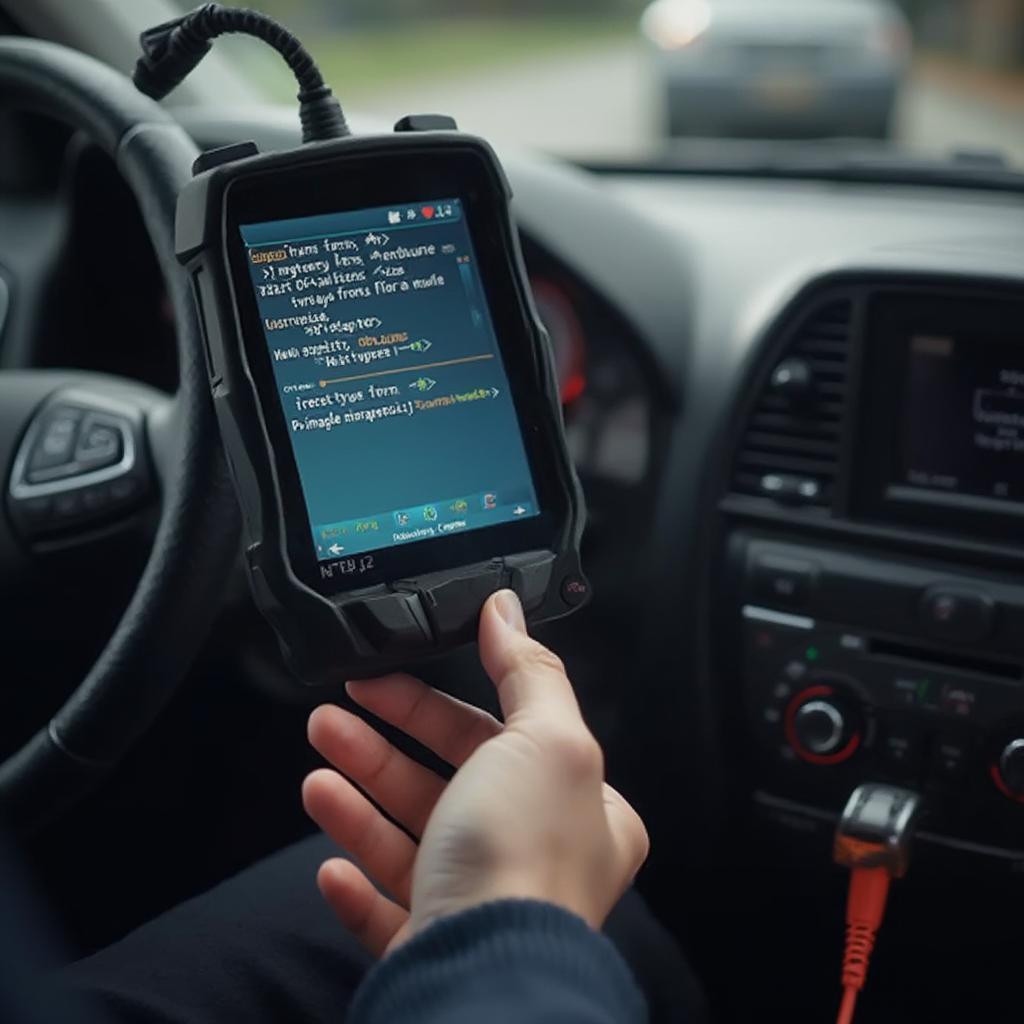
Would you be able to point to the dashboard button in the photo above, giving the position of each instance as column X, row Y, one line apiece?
column 819, row 727
column 956, row 613
column 783, row 582
column 793, row 380
column 822, row 727
column 901, row 745
column 795, row 669
column 1008, row 771
column 786, row 487
column 950, row 756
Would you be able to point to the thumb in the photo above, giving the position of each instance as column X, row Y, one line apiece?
column 529, row 678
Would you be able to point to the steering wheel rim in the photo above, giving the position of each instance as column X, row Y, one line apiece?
column 180, row 589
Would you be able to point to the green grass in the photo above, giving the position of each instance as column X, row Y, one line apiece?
column 373, row 60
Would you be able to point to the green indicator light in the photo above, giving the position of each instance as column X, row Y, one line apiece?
column 812, row 654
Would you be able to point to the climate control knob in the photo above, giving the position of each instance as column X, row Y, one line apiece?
column 1008, row 771
column 822, row 727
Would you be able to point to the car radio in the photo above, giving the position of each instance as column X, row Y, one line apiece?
column 942, row 441
column 860, row 668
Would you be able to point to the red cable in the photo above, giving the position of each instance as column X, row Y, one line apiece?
column 847, row 1007
column 865, row 908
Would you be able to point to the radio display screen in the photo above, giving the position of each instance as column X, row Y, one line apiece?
column 941, row 412
column 389, row 374
column 962, row 414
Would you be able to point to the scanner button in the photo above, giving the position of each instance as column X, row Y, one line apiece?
column 454, row 606
column 393, row 622
column 531, row 580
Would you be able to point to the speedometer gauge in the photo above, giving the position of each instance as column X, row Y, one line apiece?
column 567, row 338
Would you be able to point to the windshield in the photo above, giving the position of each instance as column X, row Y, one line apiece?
column 627, row 81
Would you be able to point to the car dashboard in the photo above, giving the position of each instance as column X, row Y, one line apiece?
column 784, row 608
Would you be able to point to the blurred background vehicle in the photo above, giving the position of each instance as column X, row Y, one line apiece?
column 771, row 68
column 589, row 79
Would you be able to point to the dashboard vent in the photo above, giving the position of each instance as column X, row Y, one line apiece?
column 791, row 446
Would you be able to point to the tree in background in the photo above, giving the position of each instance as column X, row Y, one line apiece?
column 995, row 32
column 991, row 32
column 351, row 13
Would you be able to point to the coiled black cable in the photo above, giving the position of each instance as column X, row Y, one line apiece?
column 170, row 52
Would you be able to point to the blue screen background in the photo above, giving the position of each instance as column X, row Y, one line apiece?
column 419, row 351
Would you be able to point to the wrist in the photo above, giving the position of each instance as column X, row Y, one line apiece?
column 520, row 946
column 507, row 887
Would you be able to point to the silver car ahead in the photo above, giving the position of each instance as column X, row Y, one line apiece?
column 778, row 68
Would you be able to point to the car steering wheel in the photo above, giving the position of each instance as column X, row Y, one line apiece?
column 79, row 450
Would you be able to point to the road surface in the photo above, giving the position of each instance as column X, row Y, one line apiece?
column 603, row 104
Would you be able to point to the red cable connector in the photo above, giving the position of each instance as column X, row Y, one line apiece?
column 865, row 908
column 872, row 839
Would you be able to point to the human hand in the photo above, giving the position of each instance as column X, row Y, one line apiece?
column 527, row 814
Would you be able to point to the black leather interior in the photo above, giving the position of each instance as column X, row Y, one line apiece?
column 181, row 587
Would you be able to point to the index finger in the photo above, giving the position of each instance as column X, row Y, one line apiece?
column 529, row 678
column 449, row 727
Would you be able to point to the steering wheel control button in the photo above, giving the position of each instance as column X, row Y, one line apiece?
column 68, row 505
column 96, row 498
column 53, row 446
column 78, row 464
column 957, row 614
column 125, row 488
column 100, row 443
column 37, row 510
column 783, row 582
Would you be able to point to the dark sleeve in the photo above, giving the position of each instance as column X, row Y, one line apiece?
column 507, row 962
column 29, row 948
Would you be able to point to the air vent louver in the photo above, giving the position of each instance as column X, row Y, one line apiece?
column 790, row 448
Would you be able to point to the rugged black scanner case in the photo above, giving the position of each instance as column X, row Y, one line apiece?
column 330, row 637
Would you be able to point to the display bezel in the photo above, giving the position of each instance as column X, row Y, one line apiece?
column 355, row 183
column 891, row 320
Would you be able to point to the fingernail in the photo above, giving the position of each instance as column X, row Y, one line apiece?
column 508, row 607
